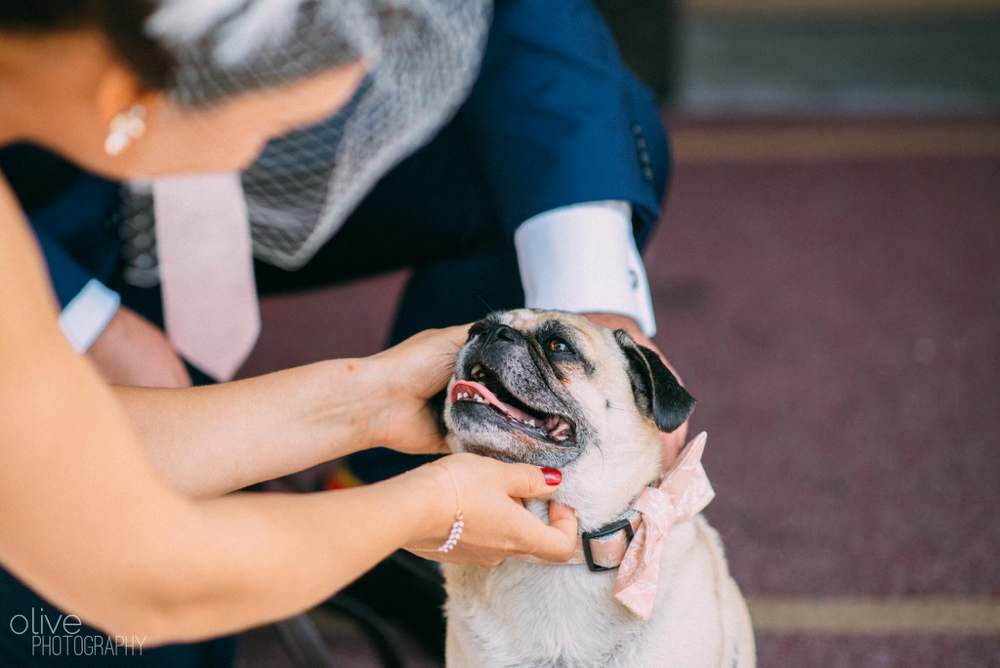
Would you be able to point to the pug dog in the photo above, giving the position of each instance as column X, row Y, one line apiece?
column 555, row 390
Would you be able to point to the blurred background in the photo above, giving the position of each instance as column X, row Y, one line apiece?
column 827, row 281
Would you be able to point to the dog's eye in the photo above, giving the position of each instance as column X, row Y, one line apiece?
column 557, row 345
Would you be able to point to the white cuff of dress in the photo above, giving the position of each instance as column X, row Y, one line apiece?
column 583, row 258
column 87, row 314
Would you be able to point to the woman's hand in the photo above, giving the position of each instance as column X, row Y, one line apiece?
column 497, row 525
column 411, row 373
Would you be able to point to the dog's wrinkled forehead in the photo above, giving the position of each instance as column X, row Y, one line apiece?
column 526, row 319
column 588, row 340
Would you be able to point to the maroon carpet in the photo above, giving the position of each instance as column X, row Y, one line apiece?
column 840, row 325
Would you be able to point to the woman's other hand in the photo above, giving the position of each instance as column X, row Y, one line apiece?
column 133, row 351
column 410, row 374
column 497, row 525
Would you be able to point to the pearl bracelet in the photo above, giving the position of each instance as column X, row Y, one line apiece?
column 459, row 523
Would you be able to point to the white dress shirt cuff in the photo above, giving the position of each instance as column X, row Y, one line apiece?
column 87, row 314
column 583, row 258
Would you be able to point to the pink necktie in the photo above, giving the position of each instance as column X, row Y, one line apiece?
column 206, row 270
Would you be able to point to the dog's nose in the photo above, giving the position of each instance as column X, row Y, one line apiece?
column 503, row 333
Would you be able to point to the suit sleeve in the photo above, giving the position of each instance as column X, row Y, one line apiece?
column 557, row 119
column 68, row 276
column 87, row 304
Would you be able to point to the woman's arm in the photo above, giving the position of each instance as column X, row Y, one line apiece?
column 211, row 440
column 90, row 524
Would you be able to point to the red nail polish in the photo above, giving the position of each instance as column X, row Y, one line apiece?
column 552, row 477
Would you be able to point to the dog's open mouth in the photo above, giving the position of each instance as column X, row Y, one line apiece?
column 487, row 391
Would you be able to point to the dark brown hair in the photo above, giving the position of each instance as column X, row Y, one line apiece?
column 121, row 21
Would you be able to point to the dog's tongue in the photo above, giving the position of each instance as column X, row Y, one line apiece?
column 469, row 390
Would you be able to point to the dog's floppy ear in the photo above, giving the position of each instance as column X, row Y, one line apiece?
column 657, row 393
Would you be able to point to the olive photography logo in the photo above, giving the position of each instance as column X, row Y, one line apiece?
column 56, row 634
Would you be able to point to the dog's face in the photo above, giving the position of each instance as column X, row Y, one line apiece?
column 546, row 387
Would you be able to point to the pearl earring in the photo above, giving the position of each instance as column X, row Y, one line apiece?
column 125, row 128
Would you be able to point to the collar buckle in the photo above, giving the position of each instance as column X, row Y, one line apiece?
column 606, row 530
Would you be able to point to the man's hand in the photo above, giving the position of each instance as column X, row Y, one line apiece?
column 133, row 351
column 675, row 440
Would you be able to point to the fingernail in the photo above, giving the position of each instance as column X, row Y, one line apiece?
column 552, row 477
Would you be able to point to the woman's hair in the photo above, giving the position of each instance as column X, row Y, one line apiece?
column 204, row 50
column 121, row 21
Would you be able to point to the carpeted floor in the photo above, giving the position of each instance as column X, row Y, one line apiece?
column 838, row 319
column 840, row 323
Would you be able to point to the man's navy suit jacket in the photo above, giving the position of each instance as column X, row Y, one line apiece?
column 555, row 119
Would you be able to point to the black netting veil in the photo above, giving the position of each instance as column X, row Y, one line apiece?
column 422, row 58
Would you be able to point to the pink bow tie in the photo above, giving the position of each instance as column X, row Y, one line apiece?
column 683, row 493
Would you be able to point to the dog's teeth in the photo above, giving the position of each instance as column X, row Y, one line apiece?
column 561, row 431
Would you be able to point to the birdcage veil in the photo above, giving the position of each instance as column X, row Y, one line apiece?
column 422, row 57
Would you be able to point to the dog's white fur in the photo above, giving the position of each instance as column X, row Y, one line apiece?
column 528, row 614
